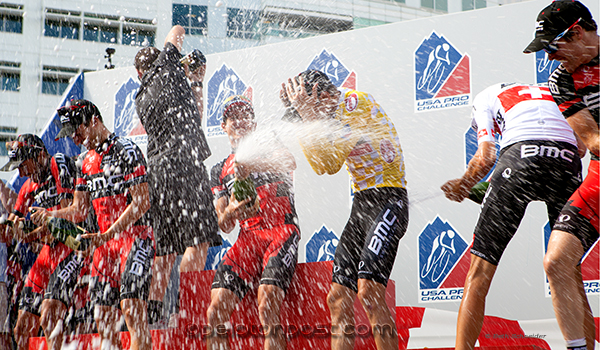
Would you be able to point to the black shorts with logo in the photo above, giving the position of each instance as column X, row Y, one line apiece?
column 527, row 171
column 182, row 210
column 368, row 245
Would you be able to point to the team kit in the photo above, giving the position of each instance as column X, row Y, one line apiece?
column 92, row 239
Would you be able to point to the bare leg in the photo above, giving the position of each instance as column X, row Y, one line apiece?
column 107, row 321
column 194, row 258
column 134, row 311
column 52, row 315
column 472, row 307
column 161, row 272
column 341, row 307
column 27, row 326
column 372, row 297
column 560, row 263
column 222, row 304
column 269, row 307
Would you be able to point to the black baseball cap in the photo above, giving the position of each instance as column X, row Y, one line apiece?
column 73, row 114
column 25, row 147
column 554, row 20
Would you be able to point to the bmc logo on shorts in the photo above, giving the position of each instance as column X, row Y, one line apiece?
column 442, row 75
column 589, row 262
column 224, row 83
column 546, row 151
column 443, row 262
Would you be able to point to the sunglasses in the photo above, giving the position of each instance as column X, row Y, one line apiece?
column 552, row 47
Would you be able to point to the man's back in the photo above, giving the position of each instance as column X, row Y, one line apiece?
column 519, row 112
column 168, row 111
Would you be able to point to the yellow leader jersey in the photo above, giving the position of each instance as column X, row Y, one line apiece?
column 363, row 137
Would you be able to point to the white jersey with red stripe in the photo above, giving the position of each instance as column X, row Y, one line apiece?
column 519, row 112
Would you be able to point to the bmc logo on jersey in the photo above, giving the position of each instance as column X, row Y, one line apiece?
column 589, row 264
column 224, row 83
column 127, row 122
column 543, row 67
column 443, row 263
column 321, row 245
column 442, row 75
column 339, row 75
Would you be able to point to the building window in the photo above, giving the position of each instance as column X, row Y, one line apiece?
column 473, row 4
column 7, row 133
column 242, row 24
column 191, row 17
column 100, row 33
column 137, row 36
column 10, row 76
column 11, row 18
column 99, row 28
column 366, row 22
column 441, row 5
column 62, row 24
column 283, row 22
column 55, row 80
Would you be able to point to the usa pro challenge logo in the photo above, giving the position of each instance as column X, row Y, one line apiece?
column 442, row 75
column 589, row 264
column 337, row 72
column 127, row 122
column 443, row 263
column 321, row 245
column 214, row 255
column 543, row 67
column 224, row 83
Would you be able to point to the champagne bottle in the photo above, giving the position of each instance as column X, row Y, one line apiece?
column 68, row 233
column 243, row 189
column 478, row 192
column 26, row 226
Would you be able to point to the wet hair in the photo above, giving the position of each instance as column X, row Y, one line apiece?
column 312, row 77
column 145, row 57
column 239, row 101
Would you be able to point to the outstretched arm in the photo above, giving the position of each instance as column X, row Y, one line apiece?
column 485, row 157
column 176, row 36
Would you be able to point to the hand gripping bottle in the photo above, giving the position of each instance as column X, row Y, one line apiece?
column 478, row 192
column 68, row 233
column 243, row 189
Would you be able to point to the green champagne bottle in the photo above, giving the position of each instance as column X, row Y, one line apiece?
column 68, row 233
column 478, row 192
column 243, row 189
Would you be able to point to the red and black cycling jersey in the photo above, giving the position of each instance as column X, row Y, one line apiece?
column 578, row 90
column 59, row 184
column 274, row 190
column 107, row 172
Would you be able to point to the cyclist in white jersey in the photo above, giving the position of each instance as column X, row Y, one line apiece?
column 539, row 161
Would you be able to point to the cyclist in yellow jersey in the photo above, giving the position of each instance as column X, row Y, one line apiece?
column 357, row 132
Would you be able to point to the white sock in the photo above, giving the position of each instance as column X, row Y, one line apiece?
column 577, row 343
